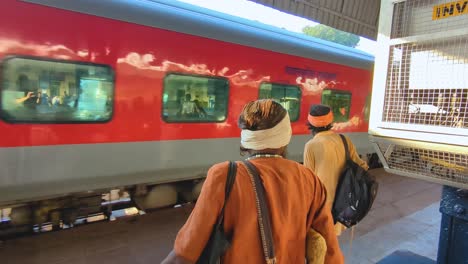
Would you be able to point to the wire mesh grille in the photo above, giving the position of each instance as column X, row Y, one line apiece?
column 426, row 90
column 427, row 83
column 433, row 164
column 417, row 17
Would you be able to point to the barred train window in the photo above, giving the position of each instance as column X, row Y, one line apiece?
column 340, row 103
column 190, row 98
column 48, row 91
column 289, row 96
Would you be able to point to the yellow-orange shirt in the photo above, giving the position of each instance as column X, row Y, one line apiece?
column 297, row 202
column 325, row 155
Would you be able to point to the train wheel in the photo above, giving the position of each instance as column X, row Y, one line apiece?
column 159, row 196
column 190, row 192
column 20, row 216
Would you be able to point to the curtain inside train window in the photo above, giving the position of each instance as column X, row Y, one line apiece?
column 35, row 90
column 289, row 96
column 195, row 98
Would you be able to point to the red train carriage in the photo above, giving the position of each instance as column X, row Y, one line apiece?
column 143, row 97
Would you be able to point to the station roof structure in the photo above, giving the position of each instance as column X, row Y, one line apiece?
column 359, row 17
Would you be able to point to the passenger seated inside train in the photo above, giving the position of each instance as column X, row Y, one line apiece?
column 199, row 106
column 38, row 90
column 43, row 99
column 192, row 108
column 28, row 99
column 44, row 104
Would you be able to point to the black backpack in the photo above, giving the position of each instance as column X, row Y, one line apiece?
column 355, row 193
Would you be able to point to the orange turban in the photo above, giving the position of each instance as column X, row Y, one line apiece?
column 320, row 115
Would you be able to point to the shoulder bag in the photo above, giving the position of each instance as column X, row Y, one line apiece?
column 219, row 242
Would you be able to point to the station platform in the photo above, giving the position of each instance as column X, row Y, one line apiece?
column 405, row 238
column 405, row 216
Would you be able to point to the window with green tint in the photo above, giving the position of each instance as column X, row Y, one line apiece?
column 190, row 98
column 289, row 96
column 49, row 91
column 340, row 103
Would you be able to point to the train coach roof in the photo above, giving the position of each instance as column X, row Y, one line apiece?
column 190, row 19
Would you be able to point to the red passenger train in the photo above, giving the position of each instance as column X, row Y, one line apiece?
column 143, row 96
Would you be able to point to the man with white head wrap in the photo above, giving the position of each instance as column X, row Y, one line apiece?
column 271, row 138
column 294, row 195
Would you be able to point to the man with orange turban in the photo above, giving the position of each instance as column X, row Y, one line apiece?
column 325, row 154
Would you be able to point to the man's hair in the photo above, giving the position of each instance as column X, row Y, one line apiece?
column 319, row 129
column 260, row 115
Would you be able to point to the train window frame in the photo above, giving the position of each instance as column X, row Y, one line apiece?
column 339, row 91
column 289, row 85
column 195, row 121
column 7, row 58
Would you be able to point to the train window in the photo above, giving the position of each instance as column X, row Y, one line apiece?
column 287, row 95
column 49, row 91
column 340, row 103
column 190, row 98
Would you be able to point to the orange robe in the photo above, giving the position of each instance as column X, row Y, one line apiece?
column 325, row 155
column 297, row 202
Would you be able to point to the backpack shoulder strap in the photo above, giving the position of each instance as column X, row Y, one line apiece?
column 345, row 143
column 263, row 212
column 231, row 178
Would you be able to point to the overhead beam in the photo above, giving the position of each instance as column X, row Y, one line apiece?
column 359, row 17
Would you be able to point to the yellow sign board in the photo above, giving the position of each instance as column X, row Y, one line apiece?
column 450, row 10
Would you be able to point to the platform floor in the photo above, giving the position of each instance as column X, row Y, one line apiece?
column 405, row 216
column 418, row 233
